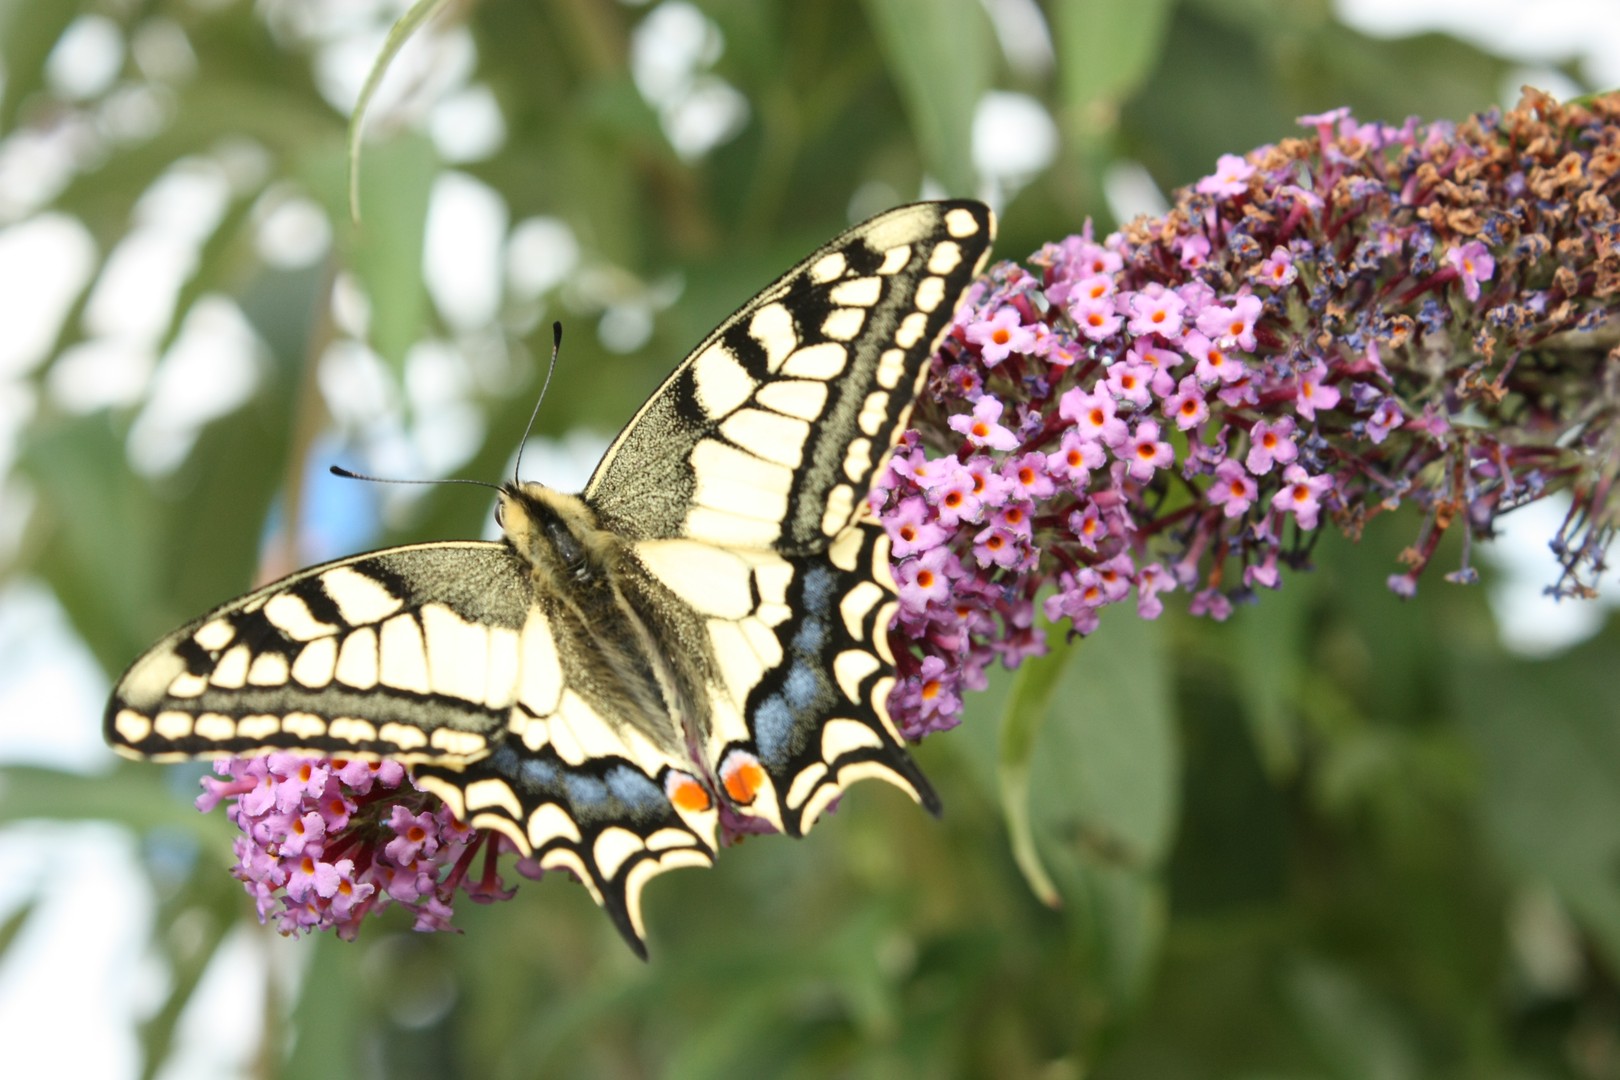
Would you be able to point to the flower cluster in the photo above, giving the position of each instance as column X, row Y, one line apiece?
column 325, row 843
column 1321, row 330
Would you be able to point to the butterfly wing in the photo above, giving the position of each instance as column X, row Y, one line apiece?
column 410, row 653
column 741, row 485
column 442, row 656
column 771, row 431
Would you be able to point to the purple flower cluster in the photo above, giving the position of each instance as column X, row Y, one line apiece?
column 1320, row 330
column 326, row 843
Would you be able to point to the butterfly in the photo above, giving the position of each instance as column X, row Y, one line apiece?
column 704, row 626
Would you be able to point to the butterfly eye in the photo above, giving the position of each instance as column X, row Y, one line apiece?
column 568, row 549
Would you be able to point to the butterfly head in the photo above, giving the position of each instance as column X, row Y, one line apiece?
column 556, row 534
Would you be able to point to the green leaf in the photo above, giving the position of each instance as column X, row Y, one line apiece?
column 1267, row 640
column 1089, row 772
column 940, row 54
column 408, row 23
column 1548, row 736
column 1105, row 51
column 1028, row 706
column 385, row 252
column 138, row 796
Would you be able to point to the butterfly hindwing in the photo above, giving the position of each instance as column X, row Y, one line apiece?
column 611, row 821
column 797, row 699
column 771, row 431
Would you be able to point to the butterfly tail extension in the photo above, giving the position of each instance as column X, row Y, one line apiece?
column 606, row 820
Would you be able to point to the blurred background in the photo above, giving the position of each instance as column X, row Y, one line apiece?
column 1338, row 836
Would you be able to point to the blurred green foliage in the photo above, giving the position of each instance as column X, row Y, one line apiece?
column 1340, row 836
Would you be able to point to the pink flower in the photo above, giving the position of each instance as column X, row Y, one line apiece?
column 1162, row 361
column 1270, row 444
column 1313, row 393
column 1186, row 406
column 1151, row 580
column 1194, row 250
column 983, row 428
column 995, row 546
column 1301, row 495
column 1074, row 459
column 1156, row 310
column 954, row 500
column 415, row 836
column 1473, row 264
column 1232, row 324
column 1233, row 488
column 1095, row 318
column 1000, row 335
column 1278, row 271
column 1130, row 382
column 303, row 833
column 909, row 529
column 1092, row 415
column 1147, row 453
column 1215, row 364
column 925, row 578
column 1231, row 177
column 1385, row 418
column 1028, row 475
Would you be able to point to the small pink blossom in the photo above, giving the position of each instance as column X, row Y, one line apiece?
column 1001, row 335
column 1147, row 453
column 1278, row 270
column 1093, row 415
column 1132, row 382
column 910, row 529
column 1270, row 444
column 1314, row 393
column 1156, row 310
column 1027, row 474
column 1233, row 488
column 1232, row 325
column 1231, row 177
column 1187, row 406
column 1194, row 250
column 983, row 428
column 1301, row 495
column 1473, row 264
column 1074, row 459
column 1386, row 417
column 1095, row 319
column 1215, row 364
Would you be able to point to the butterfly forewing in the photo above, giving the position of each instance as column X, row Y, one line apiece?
column 771, row 432
column 413, row 653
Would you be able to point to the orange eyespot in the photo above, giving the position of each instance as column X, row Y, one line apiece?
column 743, row 780
column 687, row 794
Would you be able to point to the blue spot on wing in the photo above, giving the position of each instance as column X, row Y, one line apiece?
column 801, row 687
column 634, row 789
column 773, row 724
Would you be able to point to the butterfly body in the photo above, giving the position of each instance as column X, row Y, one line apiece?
column 705, row 625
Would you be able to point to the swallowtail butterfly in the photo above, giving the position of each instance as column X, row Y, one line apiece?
column 705, row 624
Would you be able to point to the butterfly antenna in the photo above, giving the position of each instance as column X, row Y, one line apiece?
column 350, row 474
column 556, row 344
